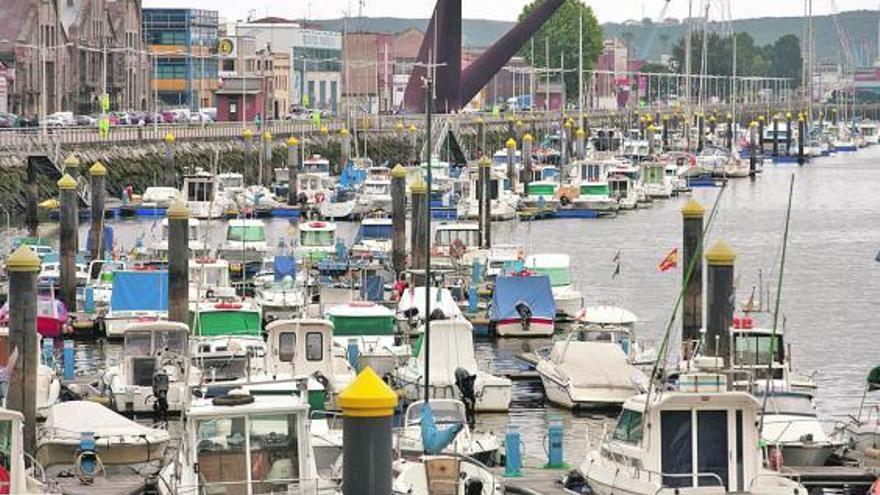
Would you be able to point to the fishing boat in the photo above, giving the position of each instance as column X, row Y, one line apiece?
column 313, row 188
column 85, row 448
column 304, row 347
column 373, row 238
column 282, row 295
column 589, row 370
column 569, row 301
column 862, row 432
column 241, row 444
column 762, row 354
column 544, row 186
column 137, row 295
column 455, row 243
column 245, row 241
column 592, row 183
column 365, row 331
column 699, row 438
column 151, row 376
column 451, row 349
column 317, row 241
column 522, row 306
column 375, row 192
column 202, row 195
column 789, row 424
column 225, row 317
column 195, row 239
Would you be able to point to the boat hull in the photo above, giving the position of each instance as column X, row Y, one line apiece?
column 584, row 398
column 513, row 327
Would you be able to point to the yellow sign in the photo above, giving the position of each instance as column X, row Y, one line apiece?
column 105, row 102
column 226, row 46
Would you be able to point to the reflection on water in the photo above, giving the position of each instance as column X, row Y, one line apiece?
column 829, row 292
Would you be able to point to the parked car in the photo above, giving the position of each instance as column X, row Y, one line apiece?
column 8, row 120
column 53, row 121
column 85, row 121
column 122, row 118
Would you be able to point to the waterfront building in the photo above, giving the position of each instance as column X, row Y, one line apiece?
column 184, row 43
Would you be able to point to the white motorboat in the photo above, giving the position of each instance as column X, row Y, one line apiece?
column 196, row 240
column 158, row 197
column 655, row 181
column 588, row 373
column 790, row 425
column 862, row 432
column 314, row 188
column 373, row 238
column 20, row 478
column 153, row 371
column 317, row 241
column 375, row 194
column 304, row 347
column 79, row 435
column 455, row 243
column 282, row 295
column 410, row 311
column 446, row 474
column 245, row 241
column 369, row 327
column 243, row 444
column 452, row 348
column 522, row 306
column 591, row 179
column 569, row 300
column 697, row 439
column 503, row 202
column 202, row 194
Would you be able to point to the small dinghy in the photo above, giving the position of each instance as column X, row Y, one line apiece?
column 86, row 448
column 523, row 306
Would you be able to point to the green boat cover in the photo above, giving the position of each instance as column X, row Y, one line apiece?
column 361, row 325
column 219, row 323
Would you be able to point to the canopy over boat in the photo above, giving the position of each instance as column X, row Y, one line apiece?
column 361, row 318
column 140, row 291
column 69, row 419
column 283, row 266
column 441, row 299
column 533, row 291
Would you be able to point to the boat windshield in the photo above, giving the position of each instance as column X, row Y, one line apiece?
column 377, row 189
column 261, row 451
column 212, row 276
column 755, row 349
column 797, row 404
column 198, row 190
column 249, row 233
column 445, row 237
column 629, row 427
column 316, row 238
column 138, row 343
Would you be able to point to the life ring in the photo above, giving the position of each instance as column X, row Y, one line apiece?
column 233, row 400
column 319, row 197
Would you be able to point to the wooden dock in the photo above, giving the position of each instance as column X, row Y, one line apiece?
column 535, row 479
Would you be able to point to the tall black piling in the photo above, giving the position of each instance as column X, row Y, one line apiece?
column 266, row 169
column 248, row 173
column 398, row 218
column 418, row 235
column 31, row 218
column 692, row 246
column 485, row 198
column 98, row 177
column 178, row 262
column 720, row 300
column 788, row 134
column 527, row 162
column 753, row 149
column 802, row 137
column 68, row 218
column 292, row 170
column 510, row 145
column 775, row 136
column 21, row 395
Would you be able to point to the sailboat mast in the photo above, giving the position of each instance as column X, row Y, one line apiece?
column 581, row 70
column 687, row 76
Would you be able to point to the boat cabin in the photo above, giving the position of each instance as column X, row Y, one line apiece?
column 224, row 318
column 200, row 187
column 148, row 346
column 259, row 447
column 703, row 439
column 378, row 174
column 12, row 450
column 231, row 182
column 316, row 164
column 593, row 178
column 245, row 231
column 755, row 349
column 448, row 234
column 300, row 347
column 316, row 240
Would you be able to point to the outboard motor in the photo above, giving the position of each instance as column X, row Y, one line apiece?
column 525, row 315
column 160, row 394
column 473, row 486
column 465, row 383
column 437, row 314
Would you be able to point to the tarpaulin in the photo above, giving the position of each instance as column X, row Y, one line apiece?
column 532, row 290
column 284, row 265
column 140, row 291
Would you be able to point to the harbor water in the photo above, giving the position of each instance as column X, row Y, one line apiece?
column 828, row 306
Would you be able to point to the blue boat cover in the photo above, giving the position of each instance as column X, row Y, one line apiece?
column 284, row 265
column 374, row 232
column 140, row 291
column 351, row 176
column 373, row 289
column 532, row 290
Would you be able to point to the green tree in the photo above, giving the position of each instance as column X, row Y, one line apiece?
column 785, row 58
column 561, row 34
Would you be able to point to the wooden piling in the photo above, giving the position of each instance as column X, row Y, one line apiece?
column 292, row 170
column 98, row 176
column 692, row 246
column 178, row 262
column 266, row 169
column 248, row 171
column 527, row 162
column 68, row 219
column 485, row 198
column 398, row 218
column 720, row 300
column 170, row 168
column 419, row 235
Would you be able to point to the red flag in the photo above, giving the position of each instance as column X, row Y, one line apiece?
column 670, row 261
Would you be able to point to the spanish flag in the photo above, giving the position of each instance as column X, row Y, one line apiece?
column 670, row 261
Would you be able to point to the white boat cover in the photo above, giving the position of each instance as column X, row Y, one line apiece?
column 452, row 346
column 595, row 365
column 69, row 419
column 414, row 297
column 336, row 210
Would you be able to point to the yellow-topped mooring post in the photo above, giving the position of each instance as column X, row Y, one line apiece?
column 247, row 137
column 720, row 299
column 266, row 168
column 21, row 395
column 368, row 408
column 485, row 201
column 510, row 145
column 692, row 246
column 178, row 261
column 292, row 170
column 398, row 219
column 419, row 229
column 580, row 149
column 71, row 165
column 98, row 178
column 526, row 154
column 67, row 240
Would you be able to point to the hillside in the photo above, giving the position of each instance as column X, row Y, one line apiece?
column 650, row 40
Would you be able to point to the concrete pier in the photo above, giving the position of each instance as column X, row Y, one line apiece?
column 398, row 219
column 21, row 395
column 292, row 170
column 67, row 241
column 178, row 262
column 720, row 300
column 692, row 246
column 367, row 407
column 98, row 176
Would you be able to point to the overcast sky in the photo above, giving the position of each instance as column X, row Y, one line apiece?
column 506, row 10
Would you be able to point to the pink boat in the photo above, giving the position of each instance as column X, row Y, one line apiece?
column 51, row 316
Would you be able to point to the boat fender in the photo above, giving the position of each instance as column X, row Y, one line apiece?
column 233, row 400
column 775, row 458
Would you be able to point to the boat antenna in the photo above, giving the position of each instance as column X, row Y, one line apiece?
column 664, row 346
column 429, row 99
column 767, row 388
